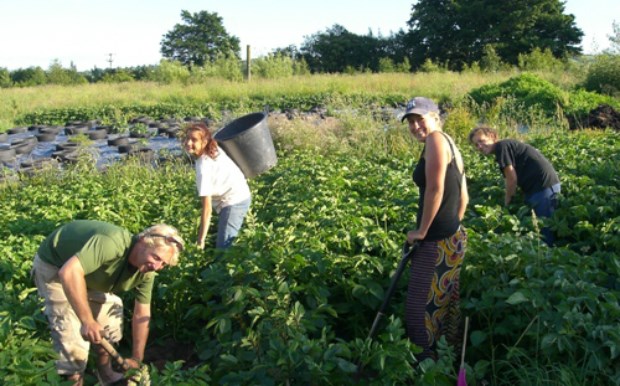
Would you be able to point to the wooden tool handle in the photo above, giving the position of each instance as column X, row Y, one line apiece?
column 107, row 346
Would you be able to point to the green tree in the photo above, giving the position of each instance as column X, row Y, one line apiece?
column 226, row 66
column 273, row 66
column 170, row 72
column 386, row 65
column 57, row 74
column 604, row 75
column 201, row 39
column 538, row 60
column 404, row 66
column 614, row 38
column 490, row 60
column 290, row 51
column 456, row 31
column 300, row 67
column 117, row 75
column 31, row 76
column 5, row 78
column 337, row 48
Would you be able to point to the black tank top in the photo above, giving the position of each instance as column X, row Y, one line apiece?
column 446, row 222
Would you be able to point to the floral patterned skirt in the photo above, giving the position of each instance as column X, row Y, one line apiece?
column 432, row 306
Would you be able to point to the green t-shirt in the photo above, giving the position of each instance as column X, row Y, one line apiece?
column 103, row 250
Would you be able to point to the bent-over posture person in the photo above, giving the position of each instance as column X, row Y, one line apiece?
column 524, row 166
column 432, row 308
column 221, row 186
column 79, row 268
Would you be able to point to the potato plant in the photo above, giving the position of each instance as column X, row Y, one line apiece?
column 293, row 301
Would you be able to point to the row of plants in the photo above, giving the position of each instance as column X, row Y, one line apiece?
column 541, row 100
column 293, row 301
column 212, row 109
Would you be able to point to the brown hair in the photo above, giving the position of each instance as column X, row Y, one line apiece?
column 210, row 148
column 484, row 129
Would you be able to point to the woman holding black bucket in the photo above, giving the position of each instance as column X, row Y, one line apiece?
column 432, row 306
column 221, row 186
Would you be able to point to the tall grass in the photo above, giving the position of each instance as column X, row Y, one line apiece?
column 444, row 86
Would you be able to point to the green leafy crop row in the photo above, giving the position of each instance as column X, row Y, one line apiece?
column 292, row 302
column 189, row 107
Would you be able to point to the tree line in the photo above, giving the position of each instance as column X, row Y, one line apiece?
column 454, row 35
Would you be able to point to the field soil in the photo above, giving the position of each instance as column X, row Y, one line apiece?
column 169, row 350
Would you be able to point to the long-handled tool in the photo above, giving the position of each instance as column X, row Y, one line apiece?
column 462, row 379
column 408, row 251
column 142, row 375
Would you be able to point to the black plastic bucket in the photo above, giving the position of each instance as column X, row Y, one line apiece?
column 247, row 140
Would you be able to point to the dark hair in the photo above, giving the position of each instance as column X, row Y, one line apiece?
column 486, row 130
column 210, row 148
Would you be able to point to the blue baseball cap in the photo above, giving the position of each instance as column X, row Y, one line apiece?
column 420, row 106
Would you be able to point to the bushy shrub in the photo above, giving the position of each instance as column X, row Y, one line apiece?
column 386, row 65
column 490, row 61
column 604, row 75
column 430, row 66
column 201, row 74
column 473, row 68
column 5, row 78
column 56, row 74
column 459, row 122
column 538, row 60
column 301, row 67
column 170, row 72
column 528, row 90
column 273, row 67
column 581, row 102
column 349, row 70
column 227, row 67
column 26, row 77
column 117, row 76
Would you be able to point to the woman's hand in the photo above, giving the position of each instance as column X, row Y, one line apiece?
column 412, row 236
column 200, row 244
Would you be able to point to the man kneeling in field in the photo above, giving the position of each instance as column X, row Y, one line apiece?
column 79, row 268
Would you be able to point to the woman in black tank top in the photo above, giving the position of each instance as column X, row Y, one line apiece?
column 432, row 306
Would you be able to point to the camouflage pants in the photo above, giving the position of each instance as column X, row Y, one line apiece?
column 64, row 324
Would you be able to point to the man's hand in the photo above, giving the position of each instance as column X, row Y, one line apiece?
column 71, row 276
column 91, row 331
column 133, row 363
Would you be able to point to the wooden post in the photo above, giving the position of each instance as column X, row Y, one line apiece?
column 248, row 55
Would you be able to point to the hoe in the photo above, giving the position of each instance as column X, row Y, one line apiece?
column 139, row 377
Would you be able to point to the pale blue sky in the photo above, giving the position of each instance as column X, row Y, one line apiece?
column 85, row 32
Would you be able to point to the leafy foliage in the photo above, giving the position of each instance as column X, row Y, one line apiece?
column 528, row 91
column 537, row 96
column 32, row 76
column 604, row 75
column 273, row 67
column 170, row 72
column 456, row 32
column 337, row 48
column 540, row 60
column 201, row 39
column 293, row 300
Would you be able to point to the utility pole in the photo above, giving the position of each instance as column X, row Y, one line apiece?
column 110, row 60
column 248, row 74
